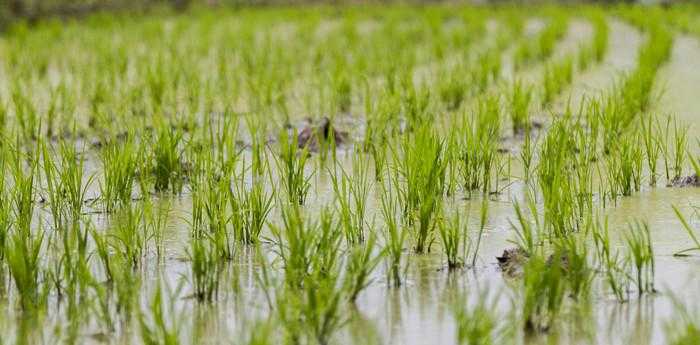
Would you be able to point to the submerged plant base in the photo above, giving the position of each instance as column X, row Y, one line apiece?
column 319, row 134
column 685, row 181
column 511, row 262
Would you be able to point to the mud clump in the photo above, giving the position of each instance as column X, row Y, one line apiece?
column 317, row 135
column 512, row 260
column 685, row 181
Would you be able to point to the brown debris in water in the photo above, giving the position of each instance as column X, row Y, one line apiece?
column 512, row 260
column 685, row 181
column 315, row 135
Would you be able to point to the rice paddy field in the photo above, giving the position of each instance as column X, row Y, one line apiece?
column 367, row 174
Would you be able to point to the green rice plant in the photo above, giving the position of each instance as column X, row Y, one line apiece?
column 487, row 69
column 554, row 178
column 680, row 147
column 257, row 205
column 557, row 76
column 420, row 182
column 573, row 252
column 395, row 235
column 600, row 36
column 624, row 165
column 211, row 217
column 477, row 322
column 26, row 114
column 542, row 46
column 167, row 167
column 120, row 168
column 455, row 240
column 478, row 146
column 689, row 230
column 641, row 255
column 527, row 155
column 453, row 89
column 613, row 267
column 361, row 262
column 544, row 288
column 528, row 231
column 161, row 323
column 483, row 218
column 205, row 267
column 291, row 163
column 415, row 102
column 351, row 193
column 305, row 247
column 22, row 253
column 652, row 148
column 519, row 106
column 156, row 217
column 128, row 236
column 683, row 328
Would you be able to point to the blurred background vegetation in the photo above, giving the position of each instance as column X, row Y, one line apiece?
column 31, row 11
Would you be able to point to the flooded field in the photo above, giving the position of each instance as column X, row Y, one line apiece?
column 352, row 175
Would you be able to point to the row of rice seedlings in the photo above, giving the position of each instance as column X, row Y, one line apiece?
column 595, row 50
column 557, row 76
column 542, row 46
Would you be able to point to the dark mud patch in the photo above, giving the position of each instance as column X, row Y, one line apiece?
column 321, row 134
column 512, row 261
column 685, row 181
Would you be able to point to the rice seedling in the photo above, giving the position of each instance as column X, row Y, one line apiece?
column 162, row 323
column 544, row 288
column 420, row 182
column 684, row 327
column 614, row 268
column 477, row 323
column 205, row 267
column 454, row 237
column 680, row 139
column 483, row 218
column 652, row 148
column 624, row 165
column 520, row 98
column 257, row 205
column 479, row 146
column 528, row 231
column 557, row 76
column 167, row 167
column 351, row 193
column 128, row 236
column 689, row 230
column 361, row 261
column 641, row 254
column 291, row 163
column 395, row 235
column 120, row 165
